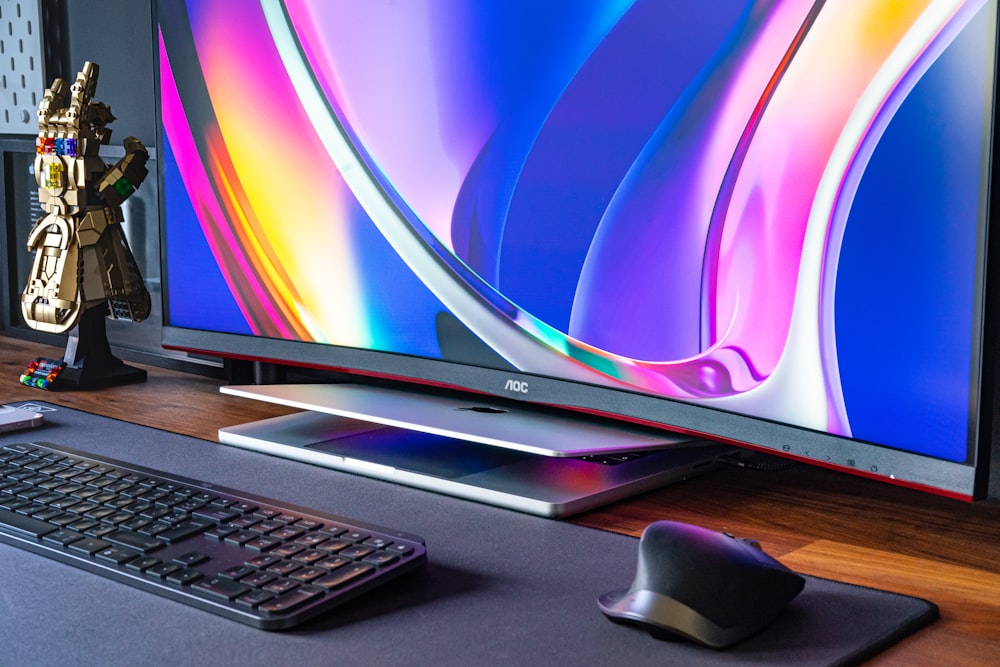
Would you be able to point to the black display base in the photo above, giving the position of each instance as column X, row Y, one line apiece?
column 88, row 358
column 90, row 377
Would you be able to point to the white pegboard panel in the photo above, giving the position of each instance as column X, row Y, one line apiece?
column 22, row 64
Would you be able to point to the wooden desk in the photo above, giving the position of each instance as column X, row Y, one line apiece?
column 816, row 521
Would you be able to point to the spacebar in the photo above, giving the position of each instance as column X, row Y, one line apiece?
column 25, row 525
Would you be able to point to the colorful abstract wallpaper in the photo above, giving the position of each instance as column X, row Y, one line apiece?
column 770, row 207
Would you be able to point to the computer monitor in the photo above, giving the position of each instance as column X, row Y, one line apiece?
column 763, row 223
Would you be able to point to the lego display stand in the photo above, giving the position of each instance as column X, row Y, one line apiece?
column 89, row 363
column 82, row 258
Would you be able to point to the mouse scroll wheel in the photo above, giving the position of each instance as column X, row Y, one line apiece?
column 745, row 540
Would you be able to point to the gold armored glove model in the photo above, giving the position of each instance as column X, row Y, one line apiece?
column 83, row 270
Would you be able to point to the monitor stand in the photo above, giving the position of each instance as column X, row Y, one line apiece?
column 538, row 462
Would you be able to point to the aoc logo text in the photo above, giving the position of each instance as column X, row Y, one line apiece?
column 520, row 386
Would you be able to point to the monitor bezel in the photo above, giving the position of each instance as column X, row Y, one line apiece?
column 959, row 480
column 962, row 480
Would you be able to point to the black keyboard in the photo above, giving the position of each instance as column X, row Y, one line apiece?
column 251, row 559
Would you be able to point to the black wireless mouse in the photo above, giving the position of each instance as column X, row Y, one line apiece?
column 709, row 587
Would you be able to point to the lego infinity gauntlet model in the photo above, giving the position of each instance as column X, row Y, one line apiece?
column 83, row 272
column 82, row 260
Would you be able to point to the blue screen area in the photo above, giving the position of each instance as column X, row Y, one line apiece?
column 894, row 340
column 192, row 263
column 616, row 110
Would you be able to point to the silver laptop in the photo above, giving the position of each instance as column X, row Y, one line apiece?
column 534, row 462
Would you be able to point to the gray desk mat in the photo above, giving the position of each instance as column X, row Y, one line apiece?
column 501, row 587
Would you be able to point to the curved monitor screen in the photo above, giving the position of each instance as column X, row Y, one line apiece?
column 764, row 221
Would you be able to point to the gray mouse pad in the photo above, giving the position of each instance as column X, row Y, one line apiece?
column 501, row 587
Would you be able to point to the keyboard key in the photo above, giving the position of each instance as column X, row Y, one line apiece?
column 284, row 567
column 100, row 530
column 117, row 555
column 236, row 572
column 344, row 575
column 154, row 529
column 31, row 509
column 184, row 576
column 144, row 563
column 258, row 579
column 312, row 539
column 286, row 533
column 335, row 545
column 356, row 552
column 380, row 558
column 241, row 537
column 309, row 557
column 216, row 514
column 268, row 525
column 377, row 543
column 188, row 505
column 162, row 570
column 89, row 545
column 291, row 600
column 142, row 543
column 333, row 562
column 117, row 518
column 287, row 550
column 307, row 574
column 64, row 519
column 219, row 532
column 48, row 513
column 134, row 524
column 263, row 562
column 220, row 587
column 183, row 531
column 262, row 543
column 12, row 503
column 20, row 448
column 175, row 517
column 84, row 507
column 63, row 537
column 280, row 586
column 355, row 536
column 254, row 598
column 191, row 559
